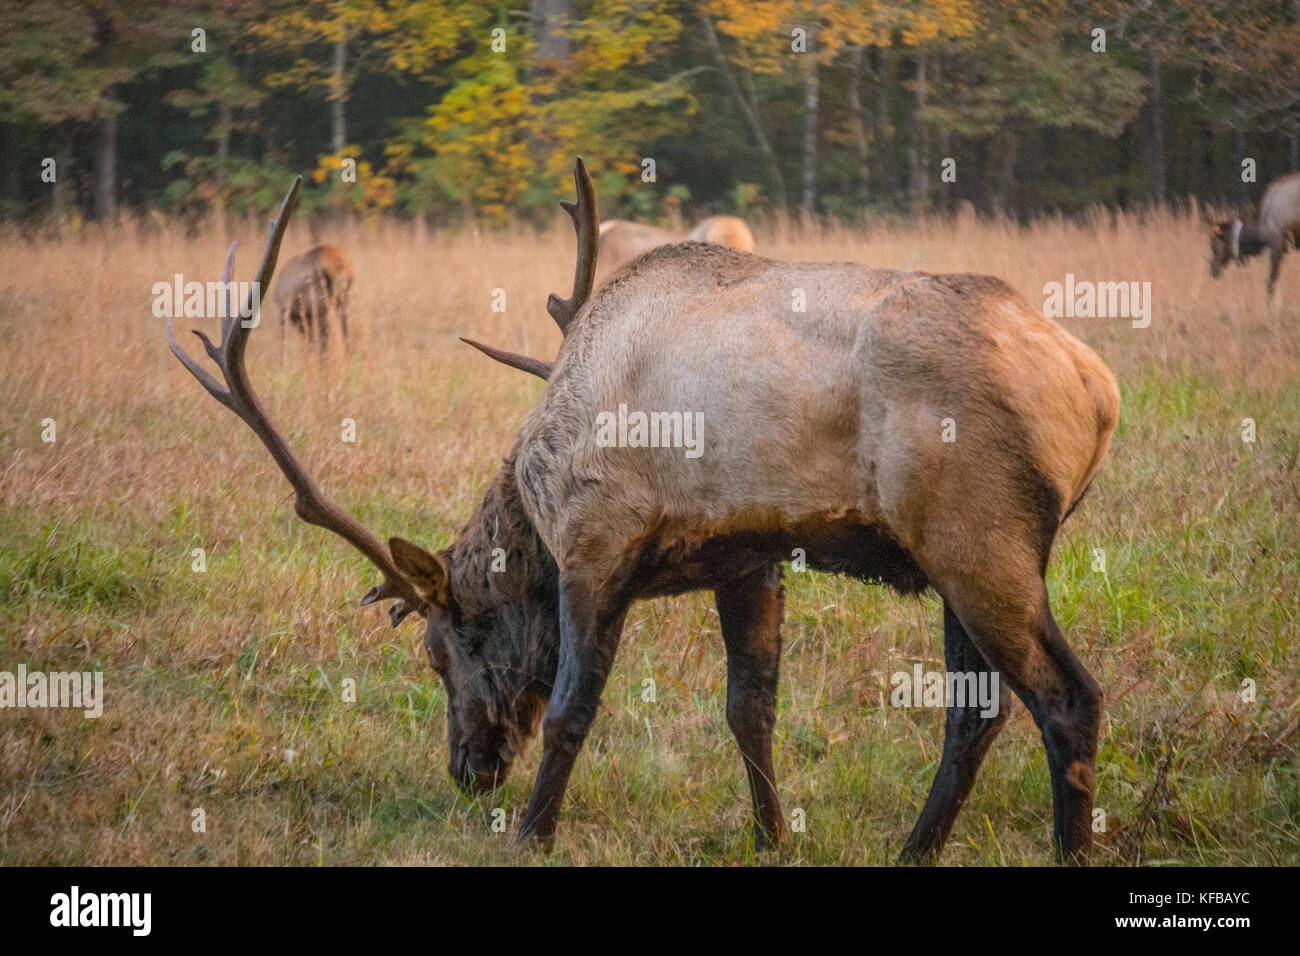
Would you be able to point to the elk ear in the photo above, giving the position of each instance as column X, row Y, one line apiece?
column 430, row 573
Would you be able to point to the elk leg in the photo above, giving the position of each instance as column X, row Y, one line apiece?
column 590, row 628
column 1276, row 252
column 321, row 322
column 967, row 736
column 341, row 298
column 750, row 610
column 1029, row 652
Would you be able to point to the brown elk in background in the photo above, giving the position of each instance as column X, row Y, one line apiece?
column 724, row 231
column 621, row 240
column 1272, row 226
column 825, row 433
column 313, row 289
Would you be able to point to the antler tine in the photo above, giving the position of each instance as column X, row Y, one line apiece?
column 237, row 394
column 234, row 337
column 525, row 363
column 228, row 294
column 586, row 222
column 214, row 388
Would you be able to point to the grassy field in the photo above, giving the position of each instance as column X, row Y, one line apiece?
column 223, row 688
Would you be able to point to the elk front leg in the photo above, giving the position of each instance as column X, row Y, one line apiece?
column 1276, row 252
column 967, row 736
column 321, row 323
column 590, row 628
column 750, row 610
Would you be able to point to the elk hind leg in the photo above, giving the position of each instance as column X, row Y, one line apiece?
column 750, row 610
column 1015, row 632
column 341, row 289
column 967, row 735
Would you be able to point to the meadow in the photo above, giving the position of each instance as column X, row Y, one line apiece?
column 1176, row 580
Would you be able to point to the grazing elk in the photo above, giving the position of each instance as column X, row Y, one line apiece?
column 724, row 231
column 621, row 241
column 314, row 288
column 824, row 432
column 1272, row 225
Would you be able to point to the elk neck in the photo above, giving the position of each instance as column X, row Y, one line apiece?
column 510, row 595
column 1248, row 238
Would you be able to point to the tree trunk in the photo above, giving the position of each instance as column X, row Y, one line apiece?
column 1205, row 184
column 810, row 94
column 106, row 170
column 858, row 121
column 918, row 148
column 885, row 72
column 61, row 193
column 550, row 18
column 747, row 109
column 338, row 95
column 1218, row 163
column 11, row 190
column 946, row 191
column 223, row 157
column 1006, row 175
column 1239, row 190
column 1155, row 100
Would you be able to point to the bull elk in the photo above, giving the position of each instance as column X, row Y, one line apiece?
column 621, row 240
column 1272, row 225
column 313, row 288
column 825, row 435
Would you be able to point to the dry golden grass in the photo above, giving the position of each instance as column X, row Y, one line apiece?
column 212, row 678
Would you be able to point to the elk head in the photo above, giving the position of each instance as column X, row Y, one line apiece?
column 487, row 636
column 1225, row 245
column 491, row 636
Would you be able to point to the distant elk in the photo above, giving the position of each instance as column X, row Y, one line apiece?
column 621, row 240
column 313, row 289
column 911, row 429
column 1272, row 225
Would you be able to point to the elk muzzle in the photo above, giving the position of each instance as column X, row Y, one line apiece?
column 477, row 772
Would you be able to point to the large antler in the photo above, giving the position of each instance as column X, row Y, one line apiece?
column 525, row 363
column 587, row 224
column 238, row 396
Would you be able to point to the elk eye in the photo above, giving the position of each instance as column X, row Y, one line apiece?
column 469, row 640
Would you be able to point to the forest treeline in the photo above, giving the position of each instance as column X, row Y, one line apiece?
column 450, row 110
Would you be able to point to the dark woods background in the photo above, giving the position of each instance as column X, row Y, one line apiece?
column 442, row 126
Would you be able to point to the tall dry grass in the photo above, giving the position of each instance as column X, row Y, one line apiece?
column 223, row 687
